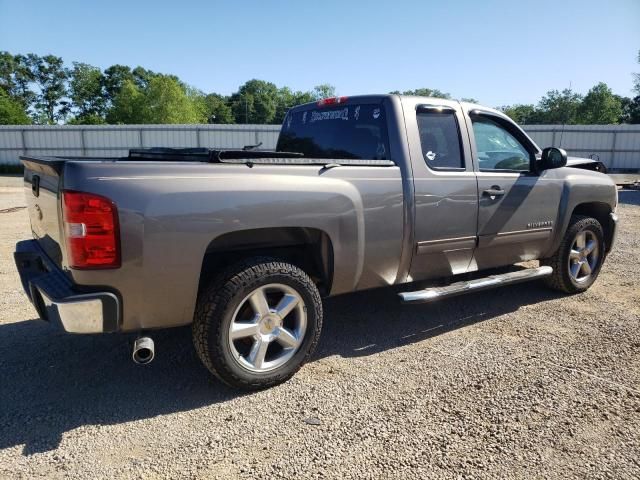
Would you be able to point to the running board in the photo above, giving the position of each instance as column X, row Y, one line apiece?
column 437, row 293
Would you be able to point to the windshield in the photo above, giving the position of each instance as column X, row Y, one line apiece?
column 356, row 131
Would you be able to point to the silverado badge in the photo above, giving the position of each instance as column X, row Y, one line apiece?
column 547, row 223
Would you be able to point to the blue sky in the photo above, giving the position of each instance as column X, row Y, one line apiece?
column 498, row 51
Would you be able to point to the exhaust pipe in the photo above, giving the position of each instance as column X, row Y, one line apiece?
column 143, row 350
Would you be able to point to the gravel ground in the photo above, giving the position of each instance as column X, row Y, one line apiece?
column 517, row 382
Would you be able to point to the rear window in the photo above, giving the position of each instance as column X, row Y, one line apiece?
column 440, row 140
column 344, row 131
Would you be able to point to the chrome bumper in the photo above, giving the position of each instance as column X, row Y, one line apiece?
column 57, row 300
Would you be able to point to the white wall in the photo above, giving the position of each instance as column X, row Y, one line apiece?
column 617, row 146
column 116, row 140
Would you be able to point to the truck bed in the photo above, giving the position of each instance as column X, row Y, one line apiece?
column 167, row 207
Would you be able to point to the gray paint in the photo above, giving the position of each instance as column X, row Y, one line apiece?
column 387, row 225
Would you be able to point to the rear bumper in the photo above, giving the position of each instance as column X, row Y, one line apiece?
column 58, row 300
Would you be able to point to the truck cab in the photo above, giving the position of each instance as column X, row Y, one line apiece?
column 477, row 192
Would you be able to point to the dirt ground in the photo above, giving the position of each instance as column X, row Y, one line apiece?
column 518, row 382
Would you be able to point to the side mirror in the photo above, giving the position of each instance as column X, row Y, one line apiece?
column 552, row 157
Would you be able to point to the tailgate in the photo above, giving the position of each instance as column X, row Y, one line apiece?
column 42, row 193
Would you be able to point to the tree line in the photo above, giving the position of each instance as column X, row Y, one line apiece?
column 600, row 106
column 43, row 90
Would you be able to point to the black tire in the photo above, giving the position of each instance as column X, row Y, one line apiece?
column 220, row 299
column 561, row 279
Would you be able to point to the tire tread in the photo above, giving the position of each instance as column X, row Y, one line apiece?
column 559, row 279
column 213, row 301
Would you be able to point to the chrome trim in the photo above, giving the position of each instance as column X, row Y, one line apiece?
column 446, row 245
column 144, row 350
column 503, row 238
column 438, row 293
column 521, row 232
column 429, row 108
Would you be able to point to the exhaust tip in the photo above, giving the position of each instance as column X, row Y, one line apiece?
column 143, row 351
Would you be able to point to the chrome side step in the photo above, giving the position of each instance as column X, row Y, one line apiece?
column 437, row 293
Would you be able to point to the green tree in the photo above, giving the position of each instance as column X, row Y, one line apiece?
column 324, row 90
column 600, row 106
column 7, row 71
column 128, row 105
column 162, row 99
column 16, row 78
column 286, row 99
column 626, row 105
column 142, row 76
column 469, row 100
column 217, row 109
column 167, row 101
column 86, row 90
column 50, row 76
column 636, row 78
column 559, row 107
column 114, row 78
column 424, row 92
column 87, row 120
column 522, row 114
column 12, row 112
column 255, row 102
column 630, row 110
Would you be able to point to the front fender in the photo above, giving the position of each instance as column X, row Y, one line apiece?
column 585, row 191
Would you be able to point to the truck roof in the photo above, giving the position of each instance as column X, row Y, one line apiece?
column 380, row 97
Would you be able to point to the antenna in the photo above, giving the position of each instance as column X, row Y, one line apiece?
column 564, row 122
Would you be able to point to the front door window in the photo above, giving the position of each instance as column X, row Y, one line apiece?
column 498, row 150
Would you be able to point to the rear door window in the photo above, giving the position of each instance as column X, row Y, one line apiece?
column 440, row 141
column 357, row 131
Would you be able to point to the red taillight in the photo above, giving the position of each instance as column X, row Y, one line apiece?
column 331, row 101
column 91, row 230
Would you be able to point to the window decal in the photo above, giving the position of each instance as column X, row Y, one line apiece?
column 342, row 114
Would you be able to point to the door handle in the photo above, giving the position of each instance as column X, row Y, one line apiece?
column 494, row 191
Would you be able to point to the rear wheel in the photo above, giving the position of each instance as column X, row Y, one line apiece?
column 258, row 323
column 577, row 262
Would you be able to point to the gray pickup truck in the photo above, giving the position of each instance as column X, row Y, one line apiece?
column 361, row 192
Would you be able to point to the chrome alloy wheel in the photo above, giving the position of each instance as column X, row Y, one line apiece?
column 268, row 327
column 584, row 255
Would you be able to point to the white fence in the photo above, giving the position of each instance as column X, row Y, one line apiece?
column 116, row 140
column 617, row 146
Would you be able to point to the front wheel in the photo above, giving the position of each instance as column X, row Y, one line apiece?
column 258, row 323
column 577, row 262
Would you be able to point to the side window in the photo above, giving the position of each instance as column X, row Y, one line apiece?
column 440, row 140
column 497, row 148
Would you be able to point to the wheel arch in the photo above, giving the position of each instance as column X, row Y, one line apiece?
column 601, row 212
column 310, row 249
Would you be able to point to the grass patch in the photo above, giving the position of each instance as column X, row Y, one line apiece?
column 11, row 169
